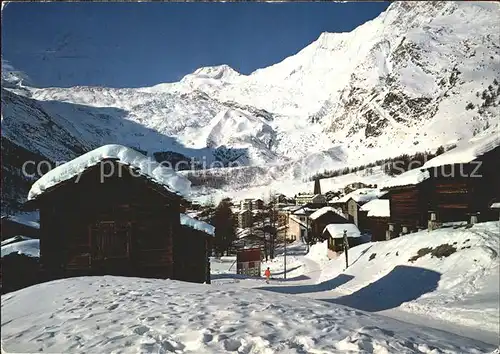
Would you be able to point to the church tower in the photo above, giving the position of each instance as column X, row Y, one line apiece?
column 317, row 187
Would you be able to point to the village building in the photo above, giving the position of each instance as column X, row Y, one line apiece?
column 408, row 203
column 15, row 226
column 113, row 211
column 257, row 204
column 325, row 216
column 246, row 204
column 245, row 218
column 306, row 198
column 297, row 229
column 377, row 213
column 351, row 187
column 334, row 233
column 191, row 249
column 465, row 181
column 458, row 185
column 352, row 202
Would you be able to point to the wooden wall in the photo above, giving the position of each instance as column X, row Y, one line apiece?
column 191, row 255
column 460, row 189
column 409, row 207
column 378, row 227
column 318, row 225
column 73, row 215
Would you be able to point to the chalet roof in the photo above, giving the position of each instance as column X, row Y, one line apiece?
column 337, row 230
column 465, row 152
column 377, row 208
column 408, row 178
column 197, row 224
column 143, row 165
column 323, row 211
column 361, row 195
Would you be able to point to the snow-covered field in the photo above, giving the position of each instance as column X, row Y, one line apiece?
column 461, row 288
column 132, row 315
column 459, row 293
column 428, row 305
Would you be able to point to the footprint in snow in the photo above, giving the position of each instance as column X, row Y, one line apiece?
column 141, row 330
column 112, row 307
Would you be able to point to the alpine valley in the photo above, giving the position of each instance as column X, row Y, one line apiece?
column 420, row 75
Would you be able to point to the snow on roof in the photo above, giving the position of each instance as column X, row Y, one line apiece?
column 377, row 208
column 22, row 220
column 28, row 247
column 466, row 152
column 361, row 195
column 337, row 230
column 323, row 211
column 148, row 168
column 197, row 224
column 408, row 178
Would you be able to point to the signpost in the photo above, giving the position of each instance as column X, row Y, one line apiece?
column 248, row 261
column 346, row 248
column 286, row 229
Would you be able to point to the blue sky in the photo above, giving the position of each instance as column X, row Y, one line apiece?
column 143, row 44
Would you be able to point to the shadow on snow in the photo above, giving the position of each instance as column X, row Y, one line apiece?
column 402, row 284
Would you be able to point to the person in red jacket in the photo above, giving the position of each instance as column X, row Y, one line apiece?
column 267, row 274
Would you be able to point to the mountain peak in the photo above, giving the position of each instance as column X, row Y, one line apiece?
column 218, row 72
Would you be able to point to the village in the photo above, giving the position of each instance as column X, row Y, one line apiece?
column 89, row 226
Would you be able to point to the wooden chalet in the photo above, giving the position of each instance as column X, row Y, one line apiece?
column 322, row 217
column 334, row 233
column 458, row 185
column 408, row 204
column 377, row 215
column 127, row 223
column 351, row 203
column 465, row 189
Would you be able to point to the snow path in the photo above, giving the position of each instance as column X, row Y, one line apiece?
column 307, row 285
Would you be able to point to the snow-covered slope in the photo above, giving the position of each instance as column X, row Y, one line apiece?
column 419, row 75
column 131, row 315
column 461, row 287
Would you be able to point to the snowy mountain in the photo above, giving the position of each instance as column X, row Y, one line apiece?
column 419, row 75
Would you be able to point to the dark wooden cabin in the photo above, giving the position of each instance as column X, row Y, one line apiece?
column 377, row 217
column 325, row 217
column 192, row 248
column 334, row 235
column 457, row 191
column 409, row 206
column 122, row 225
column 452, row 191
